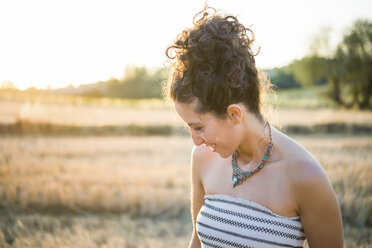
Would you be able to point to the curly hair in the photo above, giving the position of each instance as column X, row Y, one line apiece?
column 213, row 62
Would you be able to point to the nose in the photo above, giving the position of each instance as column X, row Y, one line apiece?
column 196, row 139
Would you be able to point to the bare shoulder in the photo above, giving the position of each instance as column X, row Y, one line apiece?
column 202, row 155
column 309, row 180
column 314, row 197
column 305, row 169
column 200, row 159
column 305, row 174
column 301, row 165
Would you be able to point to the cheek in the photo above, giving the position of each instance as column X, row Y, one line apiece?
column 231, row 137
column 214, row 134
column 210, row 137
column 221, row 136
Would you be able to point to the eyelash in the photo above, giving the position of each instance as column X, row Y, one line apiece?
column 197, row 129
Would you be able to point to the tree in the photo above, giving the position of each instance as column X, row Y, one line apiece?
column 113, row 87
column 308, row 70
column 138, row 82
column 328, row 66
column 347, row 70
column 355, row 55
column 282, row 78
column 8, row 85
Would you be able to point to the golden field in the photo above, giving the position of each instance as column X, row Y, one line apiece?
column 133, row 191
column 12, row 111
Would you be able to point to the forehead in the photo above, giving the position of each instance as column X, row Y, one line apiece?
column 187, row 111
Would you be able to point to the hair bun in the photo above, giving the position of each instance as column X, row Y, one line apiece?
column 214, row 62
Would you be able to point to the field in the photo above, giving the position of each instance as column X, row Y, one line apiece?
column 133, row 191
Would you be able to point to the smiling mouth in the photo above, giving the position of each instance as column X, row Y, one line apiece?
column 213, row 147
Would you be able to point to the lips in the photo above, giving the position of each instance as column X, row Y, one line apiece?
column 212, row 147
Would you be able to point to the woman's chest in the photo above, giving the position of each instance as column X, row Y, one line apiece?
column 269, row 187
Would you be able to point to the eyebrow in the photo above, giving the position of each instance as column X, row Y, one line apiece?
column 192, row 123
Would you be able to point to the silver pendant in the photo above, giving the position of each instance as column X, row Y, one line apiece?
column 235, row 181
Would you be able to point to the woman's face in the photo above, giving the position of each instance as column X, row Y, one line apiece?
column 209, row 130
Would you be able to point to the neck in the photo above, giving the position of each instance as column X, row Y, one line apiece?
column 254, row 144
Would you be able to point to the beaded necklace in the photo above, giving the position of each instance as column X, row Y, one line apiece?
column 238, row 174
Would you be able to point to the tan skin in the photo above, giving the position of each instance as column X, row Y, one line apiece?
column 292, row 183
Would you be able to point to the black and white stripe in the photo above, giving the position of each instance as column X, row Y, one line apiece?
column 226, row 221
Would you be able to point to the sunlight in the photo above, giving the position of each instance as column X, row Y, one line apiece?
column 61, row 43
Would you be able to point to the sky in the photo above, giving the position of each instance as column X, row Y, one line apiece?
column 56, row 43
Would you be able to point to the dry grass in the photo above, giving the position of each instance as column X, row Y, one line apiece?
column 96, row 174
column 85, row 115
column 93, row 115
column 134, row 191
column 100, row 230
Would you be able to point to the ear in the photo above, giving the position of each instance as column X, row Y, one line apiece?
column 235, row 113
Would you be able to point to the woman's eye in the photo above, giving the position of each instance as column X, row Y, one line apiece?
column 197, row 129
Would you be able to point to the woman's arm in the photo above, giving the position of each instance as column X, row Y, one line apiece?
column 318, row 207
column 197, row 191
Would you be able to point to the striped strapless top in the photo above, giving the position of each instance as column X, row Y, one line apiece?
column 226, row 221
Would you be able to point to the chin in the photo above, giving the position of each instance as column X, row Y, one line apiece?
column 224, row 155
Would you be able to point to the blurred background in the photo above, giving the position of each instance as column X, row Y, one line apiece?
column 92, row 156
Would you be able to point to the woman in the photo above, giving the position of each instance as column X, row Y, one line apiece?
column 252, row 186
